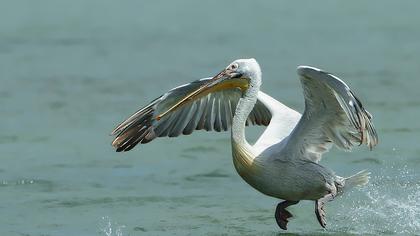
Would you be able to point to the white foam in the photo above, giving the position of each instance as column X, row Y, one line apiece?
column 110, row 228
column 389, row 204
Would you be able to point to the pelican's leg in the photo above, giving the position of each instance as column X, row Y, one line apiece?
column 282, row 214
column 319, row 208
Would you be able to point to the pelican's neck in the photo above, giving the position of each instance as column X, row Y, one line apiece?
column 245, row 105
column 243, row 156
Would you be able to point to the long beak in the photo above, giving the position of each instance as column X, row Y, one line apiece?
column 218, row 82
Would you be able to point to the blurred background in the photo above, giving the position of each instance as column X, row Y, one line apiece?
column 70, row 71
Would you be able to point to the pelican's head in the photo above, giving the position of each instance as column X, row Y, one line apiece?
column 241, row 74
column 247, row 68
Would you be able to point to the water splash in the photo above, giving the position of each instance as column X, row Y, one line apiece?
column 17, row 182
column 387, row 205
column 110, row 228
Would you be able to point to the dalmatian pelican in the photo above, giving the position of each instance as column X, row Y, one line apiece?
column 284, row 162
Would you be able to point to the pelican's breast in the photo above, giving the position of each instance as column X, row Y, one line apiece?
column 279, row 178
column 246, row 164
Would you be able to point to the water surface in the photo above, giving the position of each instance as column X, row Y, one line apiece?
column 70, row 71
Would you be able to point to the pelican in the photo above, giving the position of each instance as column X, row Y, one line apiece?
column 284, row 162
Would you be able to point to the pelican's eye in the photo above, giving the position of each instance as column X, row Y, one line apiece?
column 234, row 66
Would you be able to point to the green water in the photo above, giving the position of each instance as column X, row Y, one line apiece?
column 70, row 71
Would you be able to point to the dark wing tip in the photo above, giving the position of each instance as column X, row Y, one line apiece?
column 368, row 131
column 129, row 138
column 136, row 129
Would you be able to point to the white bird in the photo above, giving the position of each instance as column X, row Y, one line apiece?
column 283, row 163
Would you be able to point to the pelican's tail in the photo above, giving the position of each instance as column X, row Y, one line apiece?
column 359, row 179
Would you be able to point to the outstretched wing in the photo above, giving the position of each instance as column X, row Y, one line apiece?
column 213, row 111
column 333, row 115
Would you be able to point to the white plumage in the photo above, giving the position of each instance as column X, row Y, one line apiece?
column 283, row 163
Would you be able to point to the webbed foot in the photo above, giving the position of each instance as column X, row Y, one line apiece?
column 282, row 215
column 320, row 213
column 319, row 208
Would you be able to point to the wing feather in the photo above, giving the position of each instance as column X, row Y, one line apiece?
column 333, row 115
column 213, row 111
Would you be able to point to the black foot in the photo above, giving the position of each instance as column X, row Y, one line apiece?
column 282, row 215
